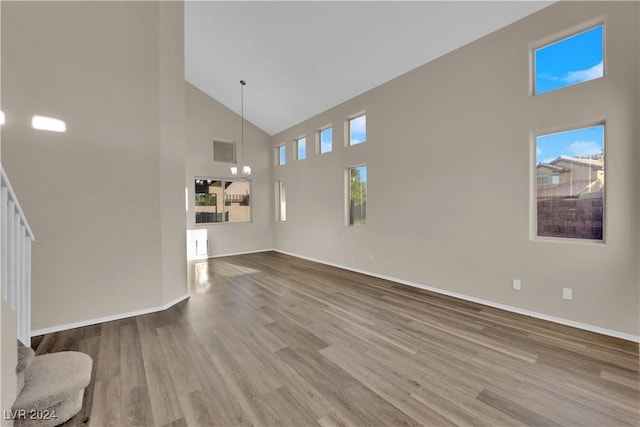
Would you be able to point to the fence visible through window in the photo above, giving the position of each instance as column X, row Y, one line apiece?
column 222, row 201
column 570, row 183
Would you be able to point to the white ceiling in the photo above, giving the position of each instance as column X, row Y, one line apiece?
column 302, row 58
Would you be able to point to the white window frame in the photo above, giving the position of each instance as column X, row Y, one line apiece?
column 224, row 207
column 297, row 144
column 559, row 37
column 279, row 147
column 533, row 186
column 347, row 175
column 347, row 129
column 319, row 139
column 281, row 200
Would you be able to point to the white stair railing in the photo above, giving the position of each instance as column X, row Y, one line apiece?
column 15, row 259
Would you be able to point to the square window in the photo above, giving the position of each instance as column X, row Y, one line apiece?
column 218, row 201
column 358, row 130
column 326, row 140
column 570, row 184
column 224, row 151
column 569, row 61
column 357, row 185
column 302, row 148
column 281, row 151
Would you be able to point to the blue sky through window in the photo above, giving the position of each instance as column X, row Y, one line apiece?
column 302, row 148
column 570, row 61
column 585, row 142
column 282, row 155
column 358, row 130
column 326, row 140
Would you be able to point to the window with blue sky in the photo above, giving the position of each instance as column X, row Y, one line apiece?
column 302, row 148
column 326, row 140
column 579, row 143
column 358, row 130
column 570, row 177
column 282, row 155
column 569, row 61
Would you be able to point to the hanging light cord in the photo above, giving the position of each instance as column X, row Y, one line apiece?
column 242, row 84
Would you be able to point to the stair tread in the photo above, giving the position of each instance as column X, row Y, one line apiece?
column 54, row 378
column 25, row 358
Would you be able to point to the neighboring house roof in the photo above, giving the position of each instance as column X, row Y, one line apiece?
column 568, row 189
column 554, row 168
column 594, row 163
column 571, row 188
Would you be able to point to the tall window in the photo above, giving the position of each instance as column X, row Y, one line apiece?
column 570, row 177
column 357, row 177
column 281, row 152
column 325, row 137
column 569, row 61
column 358, row 130
column 282, row 201
column 302, row 148
column 220, row 201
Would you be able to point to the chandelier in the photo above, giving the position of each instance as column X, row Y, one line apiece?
column 246, row 170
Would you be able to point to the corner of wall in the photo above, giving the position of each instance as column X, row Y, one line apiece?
column 433, row 203
column 172, row 119
column 207, row 120
column 8, row 360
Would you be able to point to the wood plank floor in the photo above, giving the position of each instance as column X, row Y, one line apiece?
column 269, row 340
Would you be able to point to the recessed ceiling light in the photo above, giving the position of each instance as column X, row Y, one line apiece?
column 48, row 123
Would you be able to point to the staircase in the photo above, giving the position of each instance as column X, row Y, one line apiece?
column 50, row 387
column 15, row 255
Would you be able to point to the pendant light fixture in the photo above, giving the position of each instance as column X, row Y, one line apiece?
column 246, row 170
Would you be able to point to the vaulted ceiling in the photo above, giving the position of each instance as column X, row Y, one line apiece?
column 302, row 58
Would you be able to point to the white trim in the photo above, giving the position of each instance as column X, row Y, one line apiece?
column 107, row 318
column 559, row 320
column 237, row 253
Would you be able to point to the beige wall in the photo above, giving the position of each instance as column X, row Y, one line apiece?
column 207, row 120
column 100, row 197
column 172, row 116
column 449, row 147
column 111, row 230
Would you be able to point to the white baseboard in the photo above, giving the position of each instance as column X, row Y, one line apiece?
column 236, row 253
column 107, row 318
column 542, row 316
column 559, row 320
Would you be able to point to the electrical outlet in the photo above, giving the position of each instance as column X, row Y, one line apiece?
column 516, row 284
column 370, row 257
column 567, row 293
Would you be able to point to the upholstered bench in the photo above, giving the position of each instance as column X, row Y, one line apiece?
column 53, row 387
